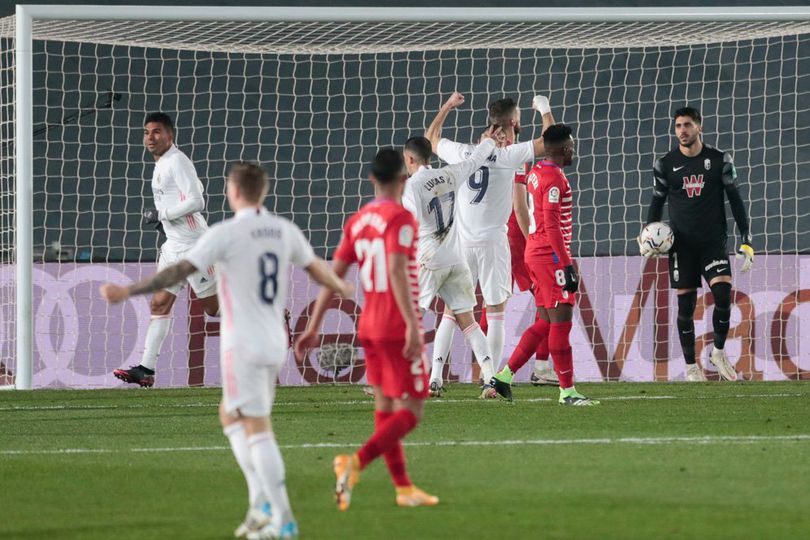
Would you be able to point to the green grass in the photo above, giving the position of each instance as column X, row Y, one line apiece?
column 566, row 473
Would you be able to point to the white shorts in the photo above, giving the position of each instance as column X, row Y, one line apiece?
column 452, row 284
column 491, row 267
column 248, row 383
column 203, row 283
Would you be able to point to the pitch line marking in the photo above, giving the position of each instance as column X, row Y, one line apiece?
column 13, row 408
column 704, row 439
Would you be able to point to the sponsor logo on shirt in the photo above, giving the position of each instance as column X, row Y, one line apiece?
column 554, row 195
column 693, row 185
column 406, row 236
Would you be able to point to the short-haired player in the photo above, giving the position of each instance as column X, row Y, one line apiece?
column 548, row 258
column 381, row 238
column 485, row 202
column 431, row 195
column 696, row 179
column 179, row 203
column 252, row 252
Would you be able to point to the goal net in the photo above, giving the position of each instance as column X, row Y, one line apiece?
column 313, row 101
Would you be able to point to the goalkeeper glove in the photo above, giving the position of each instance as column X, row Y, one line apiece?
column 646, row 251
column 571, row 279
column 746, row 252
column 151, row 215
column 541, row 105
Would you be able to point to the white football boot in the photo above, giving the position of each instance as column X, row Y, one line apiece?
column 255, row 520
column 694, row 373
column 719, row 359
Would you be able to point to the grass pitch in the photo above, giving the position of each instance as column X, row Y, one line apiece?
column 653, row 461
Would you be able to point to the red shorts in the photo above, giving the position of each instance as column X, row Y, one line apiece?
column 520, row 274
column 399, row 377
column 548, row 278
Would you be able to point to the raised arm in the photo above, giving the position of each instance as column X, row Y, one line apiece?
column 541, row 105
column 434, row 131
column 463, row 169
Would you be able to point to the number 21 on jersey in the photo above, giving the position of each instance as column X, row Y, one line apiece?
column 372, row 255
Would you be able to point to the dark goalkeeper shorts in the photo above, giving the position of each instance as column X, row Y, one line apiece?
column 687, row 263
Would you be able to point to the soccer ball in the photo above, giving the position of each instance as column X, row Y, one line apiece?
column 657, row 236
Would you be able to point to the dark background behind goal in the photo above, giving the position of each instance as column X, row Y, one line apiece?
column 90, row 190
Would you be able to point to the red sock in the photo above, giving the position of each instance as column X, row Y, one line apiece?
column 395, row 457
column 560, row 349
column 483, row 323
column 528, row 344
column 387, row 436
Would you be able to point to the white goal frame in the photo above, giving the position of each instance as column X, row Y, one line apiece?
column 26, row 14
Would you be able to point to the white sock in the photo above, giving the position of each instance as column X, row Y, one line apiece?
column 241, row 451
column 441, row 347
column 269, row 466
column 496, row 333
column 478, row 343
column 155, row 335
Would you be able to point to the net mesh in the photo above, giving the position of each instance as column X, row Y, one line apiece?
column 314, row 101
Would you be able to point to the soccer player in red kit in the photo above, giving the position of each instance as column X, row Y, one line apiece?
column 382, row 239
column 517, row 229
column 548, row 259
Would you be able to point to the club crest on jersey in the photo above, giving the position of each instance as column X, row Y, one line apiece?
column 554, row 194
column 693, row 185
column 707, row 163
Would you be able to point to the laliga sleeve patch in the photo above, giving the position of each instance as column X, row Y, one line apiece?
column 406, row 236
column 554, row 195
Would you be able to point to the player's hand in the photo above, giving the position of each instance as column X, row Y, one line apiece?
column 151, row 215
column 571, row 279
column 159, row 228
column 454, row 101
column 746, row 252
column 500, row 139
column 414, row 341
column 646, row 251
column 493, row 132
column 113, row 293
column 305, row 342
column 541, row 104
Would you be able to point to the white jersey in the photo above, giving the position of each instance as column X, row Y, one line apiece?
column 430, row 195
column 252, row 252
column 485, row 198
column 178, row 195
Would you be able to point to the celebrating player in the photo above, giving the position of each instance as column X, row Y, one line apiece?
column 431, row 195
column 485, row 201
column 381, row 239
column 252, row 252
column 695, row 176
column 548, row 258
column 178, row 195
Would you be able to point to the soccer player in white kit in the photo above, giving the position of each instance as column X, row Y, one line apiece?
column 252, row 253
column 430, row 194
column 178, row 196
column 485, row 201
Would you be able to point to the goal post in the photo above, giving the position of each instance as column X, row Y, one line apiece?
column 379, row 74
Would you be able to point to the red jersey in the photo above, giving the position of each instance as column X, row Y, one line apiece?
column 550, row 212
column 380, row 228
